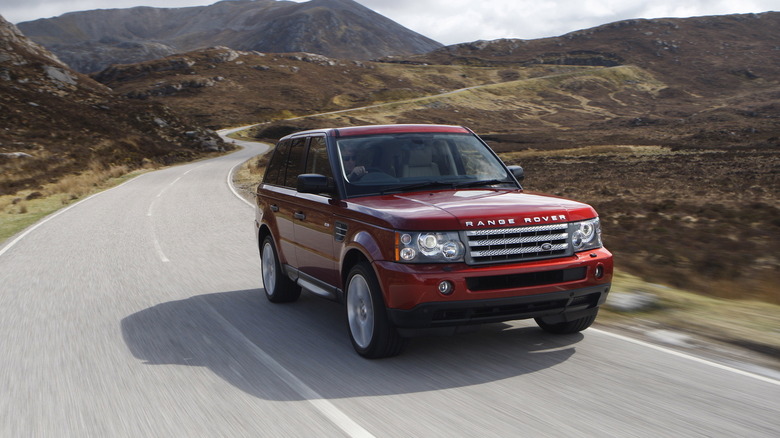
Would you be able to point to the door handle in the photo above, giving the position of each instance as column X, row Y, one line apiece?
column 299, row 215
column 274, row 208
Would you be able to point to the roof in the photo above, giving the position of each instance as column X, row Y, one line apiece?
column 395, row 129
column 383, row 129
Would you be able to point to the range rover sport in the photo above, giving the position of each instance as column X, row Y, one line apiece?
column 421, row 229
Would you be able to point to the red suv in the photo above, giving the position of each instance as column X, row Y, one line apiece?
column 421, row 229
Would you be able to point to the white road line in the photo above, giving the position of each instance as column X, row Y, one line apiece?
column 159, row 248
column 334, row 414
column 233, row 189
column 151, row 207
column 688, row 356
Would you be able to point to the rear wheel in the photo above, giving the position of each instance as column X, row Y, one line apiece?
column 278, row 287
column 563, row 328
column 372, row 334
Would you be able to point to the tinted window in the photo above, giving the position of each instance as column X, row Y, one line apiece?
column 277, row 163
column 294, row 161
column 402, row 162
column 317, row 160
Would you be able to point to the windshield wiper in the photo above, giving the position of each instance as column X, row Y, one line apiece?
column 487, row 182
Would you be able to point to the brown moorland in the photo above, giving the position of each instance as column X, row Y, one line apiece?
column 58, row 125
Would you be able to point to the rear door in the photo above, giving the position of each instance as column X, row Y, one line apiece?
column 280, row 194
column 314, row 225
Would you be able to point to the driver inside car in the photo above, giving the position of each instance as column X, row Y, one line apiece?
column 351, row 169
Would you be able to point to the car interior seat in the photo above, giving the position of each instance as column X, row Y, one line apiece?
column 420, row 163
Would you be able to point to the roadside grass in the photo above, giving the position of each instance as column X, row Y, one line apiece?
column 20, row 210
column 749, row 324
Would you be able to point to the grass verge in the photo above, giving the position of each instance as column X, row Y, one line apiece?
column 20, row 210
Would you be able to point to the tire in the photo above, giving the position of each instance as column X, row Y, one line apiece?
column 372, row 334
column 565, row 328
column 278, row 286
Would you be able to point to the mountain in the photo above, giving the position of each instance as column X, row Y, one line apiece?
column 59, row 122
column 706, row 54
column 90, row 41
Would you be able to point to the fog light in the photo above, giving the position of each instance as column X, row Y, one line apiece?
column 446, row 288
column 408, row 254
column 599, row 271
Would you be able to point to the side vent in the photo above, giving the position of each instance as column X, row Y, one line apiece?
column 340, row 232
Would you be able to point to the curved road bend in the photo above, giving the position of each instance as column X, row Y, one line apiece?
column 139, row 312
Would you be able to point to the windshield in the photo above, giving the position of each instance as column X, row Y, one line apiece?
column 392, row 163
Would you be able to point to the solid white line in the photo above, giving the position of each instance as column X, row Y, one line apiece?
column 688, row 356
column 334, row 414
column 233, row 189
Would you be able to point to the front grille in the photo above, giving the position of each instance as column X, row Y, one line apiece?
column 498, row 245
column 529, row 279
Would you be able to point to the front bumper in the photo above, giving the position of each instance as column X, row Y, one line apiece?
column 554, row 306
column 560, row 290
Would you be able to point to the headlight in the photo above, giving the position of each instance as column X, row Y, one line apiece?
column 428, row 247
column 586, row 235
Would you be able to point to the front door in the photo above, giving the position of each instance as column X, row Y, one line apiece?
column 314, row 226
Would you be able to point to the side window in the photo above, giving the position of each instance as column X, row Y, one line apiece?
column 294, row 161
column 317, row 159
column 277, row 163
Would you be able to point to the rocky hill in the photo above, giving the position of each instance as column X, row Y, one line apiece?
column 90, row 41
column 58, row 122
column 713, row 54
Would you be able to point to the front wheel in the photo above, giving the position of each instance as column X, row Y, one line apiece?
column 278, row 286
column 372, row 334
column 569, row 327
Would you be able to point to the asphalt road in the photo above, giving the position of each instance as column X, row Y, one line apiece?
column 140, row 312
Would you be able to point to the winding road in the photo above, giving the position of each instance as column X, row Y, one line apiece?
column 140, row 312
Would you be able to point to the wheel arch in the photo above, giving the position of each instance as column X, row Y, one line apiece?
column 262, row 232
column 352, row 257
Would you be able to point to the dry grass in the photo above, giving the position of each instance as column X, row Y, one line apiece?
column 22, row 209
column 248, row 175
column 748, row 324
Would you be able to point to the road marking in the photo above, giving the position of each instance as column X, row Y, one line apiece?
column 159, row 248
column 156, row 241
column 688, row 356
column 233, row 189
column 328, row 409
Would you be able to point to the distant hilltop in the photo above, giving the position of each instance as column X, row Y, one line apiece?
column 90, row 41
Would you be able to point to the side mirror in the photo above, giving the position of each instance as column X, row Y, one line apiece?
column 315, row 183
column 518, row 172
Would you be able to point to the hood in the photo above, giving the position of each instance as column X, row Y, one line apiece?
column 470, row 209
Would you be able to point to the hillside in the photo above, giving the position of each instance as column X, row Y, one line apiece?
column 90, row 41
column 708, row 55
column 223, row 87
column 57, row 123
